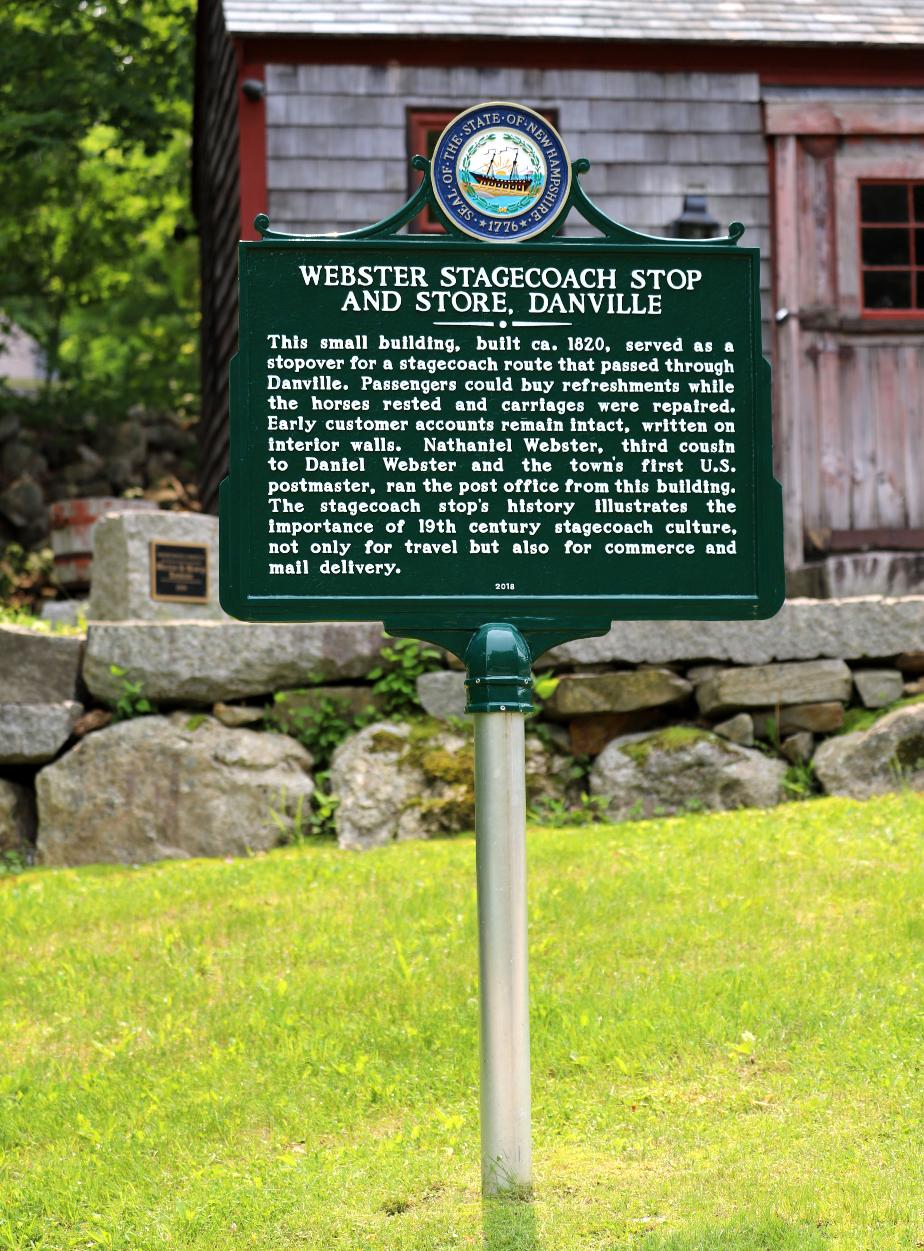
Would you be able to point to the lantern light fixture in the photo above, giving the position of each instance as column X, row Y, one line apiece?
column 695, row 220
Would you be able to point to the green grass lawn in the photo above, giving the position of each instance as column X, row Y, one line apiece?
column 281, row 1053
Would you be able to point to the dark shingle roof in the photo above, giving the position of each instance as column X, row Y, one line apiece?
column 889, row 23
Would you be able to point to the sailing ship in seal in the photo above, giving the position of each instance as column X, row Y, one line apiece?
column 496, row 184
column 501, row 177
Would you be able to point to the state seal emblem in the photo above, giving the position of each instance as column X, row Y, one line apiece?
column 501, row 172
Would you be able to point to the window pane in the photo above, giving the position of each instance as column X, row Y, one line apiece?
column 919, row 280
column 887, row 289
column 886, row 247
column 919, row 247
column 919, row 202
column 884, row 202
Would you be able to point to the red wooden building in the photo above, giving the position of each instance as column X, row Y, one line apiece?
column 805, row 121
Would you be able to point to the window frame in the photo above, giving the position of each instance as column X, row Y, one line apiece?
column 914, row 310
column 420, row 121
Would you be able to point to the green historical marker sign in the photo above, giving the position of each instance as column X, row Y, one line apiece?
column 497, row 440
column 440, row 431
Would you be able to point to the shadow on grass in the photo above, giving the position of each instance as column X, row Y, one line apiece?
column 770, row 1234
column 509, row 1225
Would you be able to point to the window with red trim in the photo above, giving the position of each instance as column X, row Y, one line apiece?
column 423, row 130
column 892, row 247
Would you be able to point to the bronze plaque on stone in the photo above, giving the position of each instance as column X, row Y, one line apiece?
column 180, row 572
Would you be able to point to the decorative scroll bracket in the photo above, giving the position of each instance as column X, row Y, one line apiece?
column 578, row 200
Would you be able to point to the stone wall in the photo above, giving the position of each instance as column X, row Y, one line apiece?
column 147, row 452
column 651, row 718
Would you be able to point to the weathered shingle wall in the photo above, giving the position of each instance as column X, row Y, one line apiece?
column 337, row 140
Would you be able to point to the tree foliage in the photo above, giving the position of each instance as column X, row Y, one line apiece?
column 94, row 156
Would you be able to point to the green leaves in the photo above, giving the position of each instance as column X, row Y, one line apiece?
column 544, row 685
column 94, row 155
column 396, row 682
column 319, row 727
column 131, row 702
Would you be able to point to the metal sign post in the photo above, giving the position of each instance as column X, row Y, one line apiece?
column 499, row 681
column 497, row 440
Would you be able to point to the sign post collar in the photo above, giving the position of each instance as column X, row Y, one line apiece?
column 499, row 668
